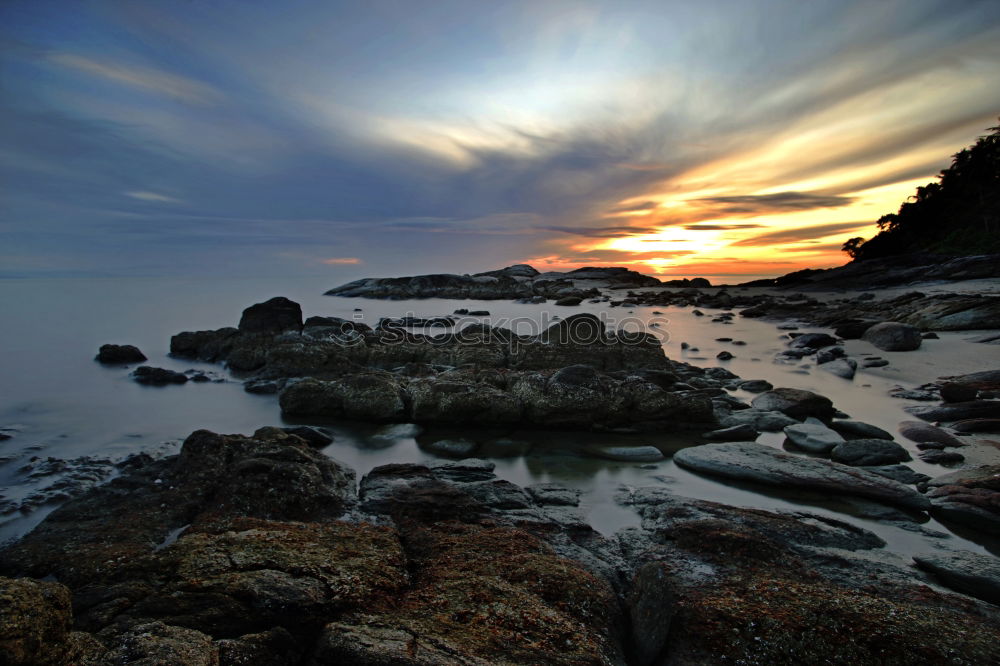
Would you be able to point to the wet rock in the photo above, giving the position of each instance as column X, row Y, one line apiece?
column 969, row 496
column 940, row 457
column 724, row 356
column 828, row 354
column 900, row 473
column 149, row 375
column 738, row 433
column 869, row 452
column 853, row 330
column 956, row 392
column 795, row 403
column 273, row 316
column 370, row 397
column 275, row 647
column 651, row 607
column 858, row 430
column 760, row 420
column 926, row 434
column 159, row 643
column 970, row 573
column 318, row 438
column 263, row 386
column 842, row 367
column 958, row 411
column 554, row 494
column 569, row 300
column 893, row 336
column 35, row 620
column 813, row 341
column 813, row 437
column 874, row 363
column 756, row 385
column 627, row 453
column 453, row 448
column 120, row 354
column 977, row 425
column 749, row 461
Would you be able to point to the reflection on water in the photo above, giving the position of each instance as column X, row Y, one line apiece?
column 63, row 404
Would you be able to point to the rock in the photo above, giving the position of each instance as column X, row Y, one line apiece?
column 813, row 340
column 969, row 497
column 813, row 437
column 651, row 607
column 940, row 457
column 930, row 335
column 738, row 433
column 35, row 619
column 828, row 354
column 796, row 403
column 900, row 473
column 273, row 316
column 452, row 448
column 554, row 494
column 958, row 411
column 145, row 374
column 755, row 385
column 924, row 433
column 369, row 397
column 875, row 363
column 627, row 453
column 764, row 421
column 842, row 367
column 120, row 354
column 859, row 430
column 569, row 300
column 724, row 356
column 749, row 461
column 262, row 386
column 479, row 313
column 853, row 330
column 970, row 573
column 869, row 452
column 159, row 643
column 893, row 336
column 956, row 392
column 977, row 425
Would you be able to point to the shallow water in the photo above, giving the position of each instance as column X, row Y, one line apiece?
column 65, row 405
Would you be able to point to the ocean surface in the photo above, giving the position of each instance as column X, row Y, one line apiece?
column 58, row 403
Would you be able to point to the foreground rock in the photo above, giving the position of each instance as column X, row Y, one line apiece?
column 968, row 497
column 119, row 354
column 970, row 573
column 796, row 403
column 758, row 463
column 258, row 550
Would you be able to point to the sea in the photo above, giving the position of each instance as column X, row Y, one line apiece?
column 63, row 409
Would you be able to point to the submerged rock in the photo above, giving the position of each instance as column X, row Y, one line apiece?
column 749, row 461
column 145, row 374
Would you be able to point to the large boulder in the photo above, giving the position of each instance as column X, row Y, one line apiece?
column 958, row 411
column 928, row 436
column 796, row 403
column 813, row 437
column 272, row 316
column 893, row 336
column 758, row 463
column 970, row 497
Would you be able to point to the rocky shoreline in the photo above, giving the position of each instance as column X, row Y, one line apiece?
column 262, row 549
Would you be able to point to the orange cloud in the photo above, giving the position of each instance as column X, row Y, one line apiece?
column 337, row 261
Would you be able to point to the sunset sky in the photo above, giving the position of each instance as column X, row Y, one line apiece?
column 350, row 139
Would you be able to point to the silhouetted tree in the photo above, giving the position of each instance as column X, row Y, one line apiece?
column 959, row 214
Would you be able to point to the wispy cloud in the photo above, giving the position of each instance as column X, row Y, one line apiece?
column 339, row 261
column 143, row 195
column 762, row 204
column 801, row 234
column 145, row 78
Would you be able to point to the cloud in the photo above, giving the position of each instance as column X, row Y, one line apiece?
column 152, row 80
column 779, row 202
column 801, row 234
column 601, row 232
column 635, row 208
column 143, row 195
column 337, row 261
column 721, row 227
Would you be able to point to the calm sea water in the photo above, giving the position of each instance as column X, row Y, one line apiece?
column 64, row 405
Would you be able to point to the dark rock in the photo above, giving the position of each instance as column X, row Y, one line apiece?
column 796, row 403
column 842, row 367
column 452, row 448
column 874, row 363
column 479, row 313
column 145, row 374
column 853, row 330
column 748, row 461
column 977, row 425
column 969, row 496
column 766, row 421
column 813, row 341
column 755, row 385
column 941, row 457
column 724, row 356
column 120, row 354
column 627, row 453
column 869, row 452
column 959, row 411
column 272, row 316
column 924, row 433
column 955, row 392
column 828, row 354
column 554, row 494
column 569, row 300
column 970, row 573
column 893, row 336
column 900, row 473
column 317, row 438
column 859, row 430
column 813, row 437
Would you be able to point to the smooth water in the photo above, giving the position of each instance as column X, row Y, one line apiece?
column 63, row 404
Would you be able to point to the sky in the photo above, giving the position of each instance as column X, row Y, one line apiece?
column 732, row 139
